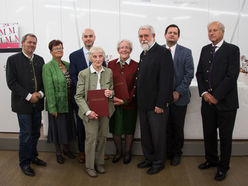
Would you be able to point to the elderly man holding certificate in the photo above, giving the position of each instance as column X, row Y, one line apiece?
column 95, row 84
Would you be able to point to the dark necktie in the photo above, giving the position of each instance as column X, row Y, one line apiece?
column 211, row 67
column 90, row 63
column 213, row 51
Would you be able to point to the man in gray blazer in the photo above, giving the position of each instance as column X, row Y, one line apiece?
column 183, row 74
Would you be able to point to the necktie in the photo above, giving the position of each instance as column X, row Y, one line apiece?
column 122, row 63
column 211, row 67
column 213, row 51
column 35, row 80
column 169, row 49
column 90, row 63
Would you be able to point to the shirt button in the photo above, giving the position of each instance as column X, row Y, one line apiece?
column 206, row 80
column 209, row 61
column 207, row 71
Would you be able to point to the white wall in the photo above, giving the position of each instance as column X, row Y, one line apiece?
column 113, row 20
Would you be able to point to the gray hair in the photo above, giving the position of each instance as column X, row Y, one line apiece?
column 94, row 50
column 24, row 38
column 149, row 27
column 125, row 40
column 221, row 26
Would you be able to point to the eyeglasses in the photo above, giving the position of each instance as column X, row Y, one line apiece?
column 57, row 49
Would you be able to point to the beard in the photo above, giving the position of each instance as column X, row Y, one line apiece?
column 145, row 45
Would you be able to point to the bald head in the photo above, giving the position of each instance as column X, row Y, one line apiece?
column 88, row 37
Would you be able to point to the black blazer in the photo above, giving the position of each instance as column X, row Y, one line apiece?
column 223, row 75
column 20, row 80
column 155, row 78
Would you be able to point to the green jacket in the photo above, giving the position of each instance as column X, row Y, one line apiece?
column 55, row 87
column 83, row 85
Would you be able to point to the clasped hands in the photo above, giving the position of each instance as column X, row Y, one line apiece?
column 210, row 99
column 35, row 97
column 93, row 115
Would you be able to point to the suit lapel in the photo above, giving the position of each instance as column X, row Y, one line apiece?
column 177, row 54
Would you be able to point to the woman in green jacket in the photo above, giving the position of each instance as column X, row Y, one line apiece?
column 57, row 83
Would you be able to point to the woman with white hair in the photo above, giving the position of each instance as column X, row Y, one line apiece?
column 96, row 128
column 123, row 121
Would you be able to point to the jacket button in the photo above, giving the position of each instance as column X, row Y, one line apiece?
column 207, row 71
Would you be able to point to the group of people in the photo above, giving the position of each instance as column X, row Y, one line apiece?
column 157, row 87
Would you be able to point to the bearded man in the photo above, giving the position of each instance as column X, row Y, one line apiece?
column 154, row 94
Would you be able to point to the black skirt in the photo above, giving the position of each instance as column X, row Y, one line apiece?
column 61, row 130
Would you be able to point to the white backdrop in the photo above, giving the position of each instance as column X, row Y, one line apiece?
column 113, row 20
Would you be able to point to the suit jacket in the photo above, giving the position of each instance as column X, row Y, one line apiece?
column 155, row 78
column 77, row 63
column 224, row 74
column 21, row 82
column 55, row 87
column 88, row 81
column 183, row 73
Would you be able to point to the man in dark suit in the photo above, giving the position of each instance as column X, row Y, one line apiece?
column 154, row 94
column 183, row 74
column 217, row 75
column 24, row 79
column 79, row 61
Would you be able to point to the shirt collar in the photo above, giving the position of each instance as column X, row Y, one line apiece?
column 151, row 46
column 173, row 48
column 219, row 44
column 31, row 59
column 86, row 51
column 127, row 61
column 92, row 70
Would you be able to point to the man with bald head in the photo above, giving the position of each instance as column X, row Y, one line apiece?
column 217, row 75
column 79, row 61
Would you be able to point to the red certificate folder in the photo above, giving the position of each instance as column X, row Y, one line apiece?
column 98, row 102
column 120, row 88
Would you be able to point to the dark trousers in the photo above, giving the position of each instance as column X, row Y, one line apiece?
column 153, row 136
column 80, row 131
column 224, row 120
column 175, row 130
column 30, row 125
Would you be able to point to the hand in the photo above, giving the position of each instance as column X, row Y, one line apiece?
column 118, row 101
column 37, row 94
column 93, row 115
column 210, row 99
column 176, row 96
column 34, row 98
column 55, row 114
column 207, row 97
column 158, row 110
column 108, row 93
column 213, row 100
